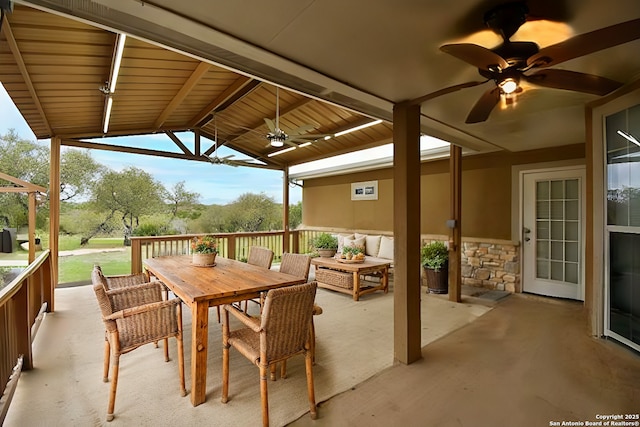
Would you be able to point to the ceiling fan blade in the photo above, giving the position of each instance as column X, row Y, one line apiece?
column 445, row 91
column 586, row 43
column 481, row 110
column 303, row 128
column 572, row 80
column 270, row 124
column 475, row 55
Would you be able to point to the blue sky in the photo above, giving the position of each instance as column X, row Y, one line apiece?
column 219, row 184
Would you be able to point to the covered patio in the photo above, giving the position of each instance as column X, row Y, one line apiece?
column 219, row 72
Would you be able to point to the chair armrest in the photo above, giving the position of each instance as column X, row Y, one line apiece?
column 251, row 322
column 134, row 311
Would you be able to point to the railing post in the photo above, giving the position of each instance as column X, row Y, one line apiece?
column 136, row 256
column 231, row 246
column 47, row 284
column 295, row 236
column 23, row 328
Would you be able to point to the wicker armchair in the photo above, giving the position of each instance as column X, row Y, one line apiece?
column 298, row 265
column 119, row 281
column 262, row 257
column 281, row 332
column 122, row 281
column 133, row 316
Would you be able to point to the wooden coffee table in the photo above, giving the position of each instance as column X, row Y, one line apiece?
column 345, row 277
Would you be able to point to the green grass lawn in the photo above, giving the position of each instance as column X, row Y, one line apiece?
column 77, row 268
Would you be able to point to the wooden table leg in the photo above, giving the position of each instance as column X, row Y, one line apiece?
column 199, row 348
column 385, row 279
column 356, row 286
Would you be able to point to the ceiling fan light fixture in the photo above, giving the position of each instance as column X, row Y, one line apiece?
column 276, row 142
column 277, row 138
column 508, row 85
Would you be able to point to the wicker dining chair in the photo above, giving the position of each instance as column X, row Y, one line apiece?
column 281, row 332
column 262, row 257
column 298, row 265
column 133, row 316
column 122, row 281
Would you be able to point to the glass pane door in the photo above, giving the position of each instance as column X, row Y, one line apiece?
column 623, row 226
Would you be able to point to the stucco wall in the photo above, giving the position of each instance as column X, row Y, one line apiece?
column 486, row 195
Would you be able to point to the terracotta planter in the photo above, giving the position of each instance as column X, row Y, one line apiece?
column 437, row 281
column 203, row 260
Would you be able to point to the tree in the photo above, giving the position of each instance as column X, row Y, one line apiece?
column 78, row 173
column 181, row 199
column 295, row 215
column 130, row 193
column 254, row 212
column 27, row 161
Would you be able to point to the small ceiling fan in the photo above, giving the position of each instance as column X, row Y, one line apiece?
column 278, row 137
column 510, row 63
column 226, row 160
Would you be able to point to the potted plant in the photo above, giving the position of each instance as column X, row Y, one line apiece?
column 204, row 250
column 325, row 244
column 435, row 257
column 352, row 252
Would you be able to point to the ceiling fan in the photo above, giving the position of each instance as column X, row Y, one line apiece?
column 512, row 62
column 278, row 137
column 226, row 160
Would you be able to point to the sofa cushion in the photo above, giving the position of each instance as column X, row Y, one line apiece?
column 386, row 248
column 372, row 245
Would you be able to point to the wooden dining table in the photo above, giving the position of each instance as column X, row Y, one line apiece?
column 199, row 288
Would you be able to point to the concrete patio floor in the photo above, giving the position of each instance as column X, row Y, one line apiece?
column 528, row 362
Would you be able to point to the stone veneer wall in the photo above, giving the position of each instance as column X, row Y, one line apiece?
column 491, row 264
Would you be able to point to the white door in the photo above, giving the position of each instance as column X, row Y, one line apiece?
column 553, row 232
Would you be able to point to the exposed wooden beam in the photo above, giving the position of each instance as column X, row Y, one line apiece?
column 177, row 141
column 13, row 46
column 24, row 186
column 188, row 86
column 242, row 82
column 145, row 152
column 127, row 132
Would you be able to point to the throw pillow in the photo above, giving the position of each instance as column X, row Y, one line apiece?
column 341, row 238
column 355, row 242
column 372, row 246
column 386, row 248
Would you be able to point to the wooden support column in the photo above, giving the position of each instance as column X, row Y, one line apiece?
column 455, row 233
column 54, row 214
column 285, row 209
column 406, row 229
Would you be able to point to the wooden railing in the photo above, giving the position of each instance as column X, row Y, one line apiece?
column 22, row 306
column 230, row 245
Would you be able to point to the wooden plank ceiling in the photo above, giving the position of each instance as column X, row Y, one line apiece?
column 53, row 68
